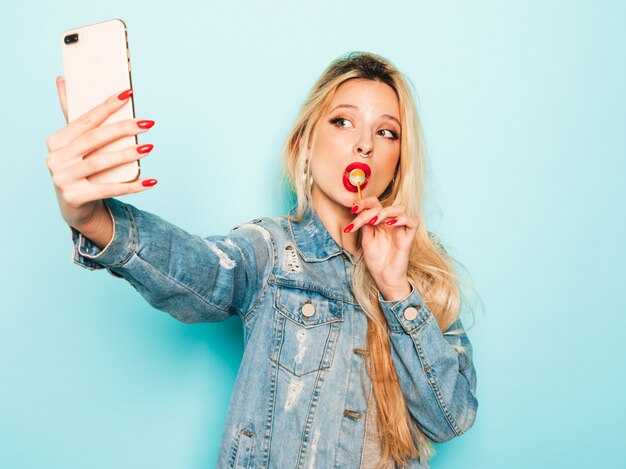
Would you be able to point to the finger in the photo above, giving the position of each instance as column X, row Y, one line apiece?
column 393, row 211
column 366, row 217
column 86, row 191
column 403, row 220
column 93, row 164
column 62, row 95
column 89, row 120
column 365, row 203
column 98, row 137
column 106, row 191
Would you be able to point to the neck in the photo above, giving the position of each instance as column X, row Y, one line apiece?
column 335, row 218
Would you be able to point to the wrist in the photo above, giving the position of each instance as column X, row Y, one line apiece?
column 397, row 291
column 100, row 227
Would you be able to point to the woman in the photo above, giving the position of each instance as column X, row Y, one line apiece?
column 344, row 302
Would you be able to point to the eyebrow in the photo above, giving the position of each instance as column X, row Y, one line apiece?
column 351, row 106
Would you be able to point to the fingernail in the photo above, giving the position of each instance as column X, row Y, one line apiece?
column 349, row 228
column 147, row 148
column 354, row 209
column 146, row 124
column 149, row 182
column 373, row 220
column 125, row 95
column 391, row 222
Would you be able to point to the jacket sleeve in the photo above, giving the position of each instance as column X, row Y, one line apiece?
column 439, row 383
column 194, row 279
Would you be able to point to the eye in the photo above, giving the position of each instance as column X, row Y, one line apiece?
column 390, row 134
column 340, row 122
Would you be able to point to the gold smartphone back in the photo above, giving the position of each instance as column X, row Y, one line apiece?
column 97, row 65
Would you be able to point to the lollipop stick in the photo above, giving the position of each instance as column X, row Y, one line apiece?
column 358, row 188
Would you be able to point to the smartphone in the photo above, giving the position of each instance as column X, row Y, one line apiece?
column 96, row 64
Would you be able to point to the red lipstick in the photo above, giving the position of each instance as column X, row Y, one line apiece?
column 346, row 180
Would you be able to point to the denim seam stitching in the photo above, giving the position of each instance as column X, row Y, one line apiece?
column 245, row 315
column 368, row 416
column 304, row 256
column 424, row 316
column 133, row 248
column 269, row 420
column 310, row 287
column 279, row 307
column 311, row 414
column 434, row 385
column 263, row 292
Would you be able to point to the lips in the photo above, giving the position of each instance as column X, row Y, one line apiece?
column 346, row 181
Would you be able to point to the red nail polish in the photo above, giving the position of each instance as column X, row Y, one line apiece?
column 149, row 182
column 147, row 148
column 145, row 124
column 373, row 220
column 354, row 209
column 391, row 222
column 349, row 228
column 125, row 95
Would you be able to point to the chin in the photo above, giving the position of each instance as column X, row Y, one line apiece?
column 343, row 199
column 348, row 199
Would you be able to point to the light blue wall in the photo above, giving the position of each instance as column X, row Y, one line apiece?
column 524, row 112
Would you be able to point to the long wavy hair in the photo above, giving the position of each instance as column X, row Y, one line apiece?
column 430, row 267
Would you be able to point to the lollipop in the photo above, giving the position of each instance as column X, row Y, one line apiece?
column 356, row 178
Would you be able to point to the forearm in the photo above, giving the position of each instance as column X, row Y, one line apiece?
column 438, row 381
column 192, row 278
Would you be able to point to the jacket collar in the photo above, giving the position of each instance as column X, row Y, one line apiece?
column 313, row 240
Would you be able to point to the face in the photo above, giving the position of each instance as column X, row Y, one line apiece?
column 362, row 125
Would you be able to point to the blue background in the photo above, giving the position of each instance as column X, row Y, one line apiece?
column 524, row 112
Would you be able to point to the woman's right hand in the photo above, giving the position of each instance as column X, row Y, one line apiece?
column 81, row 201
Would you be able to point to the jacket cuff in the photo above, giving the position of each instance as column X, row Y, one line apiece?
column 406, row 315
column 124, row 243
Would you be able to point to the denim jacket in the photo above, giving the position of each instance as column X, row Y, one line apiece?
column 300, row 397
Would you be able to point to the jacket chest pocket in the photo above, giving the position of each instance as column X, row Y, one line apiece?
column 306, row 327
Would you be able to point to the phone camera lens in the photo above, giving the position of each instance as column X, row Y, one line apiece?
column 71, row 38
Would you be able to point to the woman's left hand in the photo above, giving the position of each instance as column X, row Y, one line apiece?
column 386, row 241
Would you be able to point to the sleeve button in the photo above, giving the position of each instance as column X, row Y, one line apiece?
column 410, row 313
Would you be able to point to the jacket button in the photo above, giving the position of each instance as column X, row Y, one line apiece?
column 308, row 310
column 410, row 313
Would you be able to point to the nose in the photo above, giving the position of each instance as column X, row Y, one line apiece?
column 364, row 147
column 363, row 153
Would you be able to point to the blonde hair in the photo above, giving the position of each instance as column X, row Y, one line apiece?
column 430, row 267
